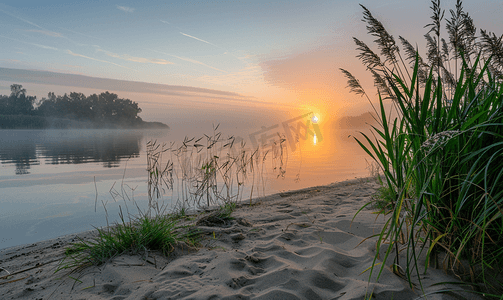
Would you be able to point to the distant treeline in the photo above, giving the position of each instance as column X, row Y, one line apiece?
column 351, row 122
column 75, row 110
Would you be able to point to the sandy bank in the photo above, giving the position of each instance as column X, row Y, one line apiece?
column 295, row 245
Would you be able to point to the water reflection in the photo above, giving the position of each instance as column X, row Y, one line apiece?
column 25, row 148
column 19, row 152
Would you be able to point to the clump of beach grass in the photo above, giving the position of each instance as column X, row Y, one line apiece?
column 442, row 156
column 137, row 237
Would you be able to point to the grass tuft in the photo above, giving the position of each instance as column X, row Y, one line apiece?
column 143, row 235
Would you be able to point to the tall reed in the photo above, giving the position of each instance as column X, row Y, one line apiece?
column 442, row 157
column 211, row 170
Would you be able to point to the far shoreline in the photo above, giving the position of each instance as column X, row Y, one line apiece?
column 38, row 122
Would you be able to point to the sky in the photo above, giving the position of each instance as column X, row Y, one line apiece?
column 207, row 56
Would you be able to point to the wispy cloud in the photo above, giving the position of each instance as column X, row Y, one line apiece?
column 95, row 59
column 11, row 60
column 45, row 47
column 46, row 32
column 201, row 40
column 190, row 95
column 82, row 34
column 24, row 20
column 157, row 61
column 190, row 60
column 40, row 30
column 55, row 34
column 28, row 43
column 126, row 9
column 165, row 22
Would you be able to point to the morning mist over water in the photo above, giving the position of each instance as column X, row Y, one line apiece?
column 53, row 180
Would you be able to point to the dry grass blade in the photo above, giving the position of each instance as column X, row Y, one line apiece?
column 38, row 265
column 11, row 281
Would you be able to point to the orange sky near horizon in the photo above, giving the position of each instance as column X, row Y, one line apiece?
column 278, row 57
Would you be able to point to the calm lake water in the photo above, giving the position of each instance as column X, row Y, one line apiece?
column 57, row 182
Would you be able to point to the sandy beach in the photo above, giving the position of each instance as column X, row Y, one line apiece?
column 295, row 245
